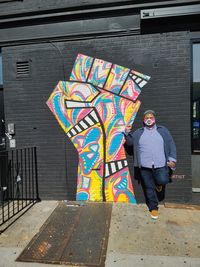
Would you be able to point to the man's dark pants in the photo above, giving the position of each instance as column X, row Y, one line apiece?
column 150, row 178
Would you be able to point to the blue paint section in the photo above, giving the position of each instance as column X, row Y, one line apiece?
column 90, row 157
column 58, row 111
column 82, row 196
column 123, row 188
column 93, row 136
column 120, row 76
column 116, row 142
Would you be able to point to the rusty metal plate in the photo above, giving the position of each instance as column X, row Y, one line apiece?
column 74, row 234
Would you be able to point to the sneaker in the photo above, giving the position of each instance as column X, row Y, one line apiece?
column 154, row 214
column 159, row 188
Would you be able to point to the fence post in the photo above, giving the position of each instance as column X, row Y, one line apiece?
column 36, row 175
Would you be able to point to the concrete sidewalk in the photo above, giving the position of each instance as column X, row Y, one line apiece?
column 134, row 240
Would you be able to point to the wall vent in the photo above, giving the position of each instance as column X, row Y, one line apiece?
column 23, row 69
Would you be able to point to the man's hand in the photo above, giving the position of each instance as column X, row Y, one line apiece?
column 171, row 164
column 128, row 128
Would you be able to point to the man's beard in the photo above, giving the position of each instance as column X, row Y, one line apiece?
column 149, row 122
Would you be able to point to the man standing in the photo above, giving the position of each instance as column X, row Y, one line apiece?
column 154, row 153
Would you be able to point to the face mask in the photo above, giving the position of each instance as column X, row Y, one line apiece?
column 149, row 122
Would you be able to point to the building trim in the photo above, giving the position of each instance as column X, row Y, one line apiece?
column 122, row 7
column 170, row 12
column 72, row 30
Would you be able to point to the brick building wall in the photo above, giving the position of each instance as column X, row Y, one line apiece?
column 165, row 57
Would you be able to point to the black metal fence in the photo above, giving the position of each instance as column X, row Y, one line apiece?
column 18, row 183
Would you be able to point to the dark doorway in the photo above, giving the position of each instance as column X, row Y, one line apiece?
column 2, row 120
column 3, row 156
column 196, row 117
column 2, row 123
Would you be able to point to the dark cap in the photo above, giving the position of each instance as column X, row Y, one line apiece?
column 149, row 111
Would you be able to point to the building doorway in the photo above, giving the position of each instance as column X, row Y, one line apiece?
column 196, row 117
column 2, row 119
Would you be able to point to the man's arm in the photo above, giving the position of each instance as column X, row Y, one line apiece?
column 129, row 138
column 172, row 151
column 128, row 135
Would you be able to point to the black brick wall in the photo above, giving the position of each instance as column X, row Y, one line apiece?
column 165, row 57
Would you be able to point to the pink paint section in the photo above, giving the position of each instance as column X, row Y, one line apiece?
column 129, row 90
column 122, row 189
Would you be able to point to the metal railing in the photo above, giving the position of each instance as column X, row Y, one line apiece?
column 18, row 183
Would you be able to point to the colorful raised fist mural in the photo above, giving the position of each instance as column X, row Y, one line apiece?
column 93, row 108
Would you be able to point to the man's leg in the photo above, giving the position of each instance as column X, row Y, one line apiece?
column 148, row 185
column 161, row 176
